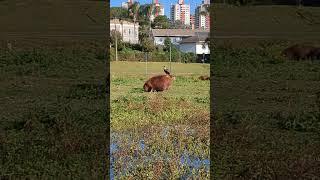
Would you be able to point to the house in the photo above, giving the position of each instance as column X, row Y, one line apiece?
column 129, row 31
column 175, row 35
column 197, row 45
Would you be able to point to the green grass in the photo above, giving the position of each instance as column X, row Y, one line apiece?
column 137, row 115
column 279, row 22
column 52, row 108
column 267, row 113
column 266, row 108
column 40, row 20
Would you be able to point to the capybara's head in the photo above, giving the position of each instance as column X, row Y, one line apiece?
column 159, row 83
column 204, row 78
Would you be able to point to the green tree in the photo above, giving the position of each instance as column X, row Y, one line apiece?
column 167, row 44
column 118, row 12
column 115, row 37
column 160, row 22
column 145, row 12
column 147, row 45
column 177, row 25
column 134, row 11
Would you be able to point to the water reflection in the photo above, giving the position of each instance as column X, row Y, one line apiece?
column 123, row 142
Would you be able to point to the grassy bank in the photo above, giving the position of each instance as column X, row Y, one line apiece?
column 267, row 113
column 173, row 126
column 52, row 111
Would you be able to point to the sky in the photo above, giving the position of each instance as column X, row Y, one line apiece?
column 166, row 3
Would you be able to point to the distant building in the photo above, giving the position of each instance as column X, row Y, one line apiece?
column 175, row 35
column 180, row 12
column 126, row 5
column 129, row 31
column 196, row 44
column 202, row 20
column 192, row 21
column 158, row 11
column 206, row 2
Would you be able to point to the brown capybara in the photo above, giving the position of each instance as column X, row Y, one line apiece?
column 159, row 83
column 298, row 52
column 204, row 78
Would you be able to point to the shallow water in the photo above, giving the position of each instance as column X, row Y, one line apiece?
column 187, row 159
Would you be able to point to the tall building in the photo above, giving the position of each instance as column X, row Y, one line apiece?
column 180, row 12
column 158, row 11
column 202, row 16
column 192, row 21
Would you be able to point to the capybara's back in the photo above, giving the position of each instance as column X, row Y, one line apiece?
column 298, row 51
column 158, row 83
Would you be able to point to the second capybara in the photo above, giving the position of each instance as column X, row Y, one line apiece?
column 204, row 78
column 298, row 52
column 159, row 83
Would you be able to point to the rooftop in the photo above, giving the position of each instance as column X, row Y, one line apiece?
column 199, row 37
column 178, row 32
column 118, row 21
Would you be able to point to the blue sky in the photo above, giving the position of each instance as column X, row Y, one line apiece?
column 166, row 3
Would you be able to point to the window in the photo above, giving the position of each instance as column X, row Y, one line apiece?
column 129, row 31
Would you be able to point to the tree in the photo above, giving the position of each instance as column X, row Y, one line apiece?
column 115, row 37
column 160, row 22
column 205, row 10
column 118, row 12
column 145, row 11
column 167, row 44
column 207, row 42
column 177, row 25
column 147, row 45
column 134, row 11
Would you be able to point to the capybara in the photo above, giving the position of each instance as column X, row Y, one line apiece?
column 159, row 83
column 298, row 52
column 204, row 78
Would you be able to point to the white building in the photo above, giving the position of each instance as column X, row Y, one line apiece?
column 196, row 44
column 181, row 12
column 201, row 20
column 175, row 35
column 128, row 30
column 126, row 5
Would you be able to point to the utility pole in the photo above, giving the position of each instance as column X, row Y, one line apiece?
column 170, row 56
column 116, row 47
column 146, row 64
column 115, row 33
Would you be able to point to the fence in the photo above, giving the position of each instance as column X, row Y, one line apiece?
column 153, row 56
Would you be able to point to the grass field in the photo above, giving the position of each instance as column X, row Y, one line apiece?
column 267, row 109
column 52, row 20
column 267, row 116
column 159, row 135
column 277, row 22
column 52, row 110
